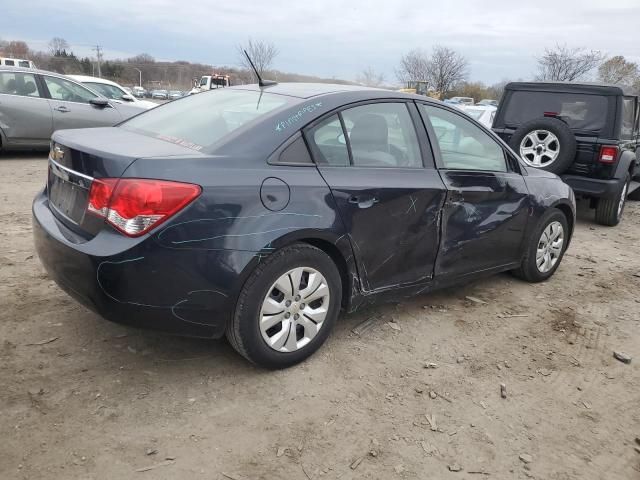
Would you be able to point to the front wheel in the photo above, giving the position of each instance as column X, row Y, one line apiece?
column 287, row 307
column 545, row 248
column 609, row 211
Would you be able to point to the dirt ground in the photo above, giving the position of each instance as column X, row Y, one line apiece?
column 419, row 399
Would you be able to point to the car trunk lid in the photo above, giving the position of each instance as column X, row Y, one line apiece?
column 77, row 157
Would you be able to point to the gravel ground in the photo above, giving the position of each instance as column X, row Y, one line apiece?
column 85, row 398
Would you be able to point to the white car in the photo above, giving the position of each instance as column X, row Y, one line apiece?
column 482, row 113
column 111, row 90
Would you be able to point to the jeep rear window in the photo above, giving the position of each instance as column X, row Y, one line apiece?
column 580, row 111
column 199, row 121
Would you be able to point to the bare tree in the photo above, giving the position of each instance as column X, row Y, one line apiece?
column 370, row 78
column 262, row 54
column 414, row 66
column 58, row 45
column 16, row 49
column 566, row 64
column 446, row 69
column 618, row 70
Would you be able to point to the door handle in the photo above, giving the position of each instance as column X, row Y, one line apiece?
column 364, row 201
column 62, row 109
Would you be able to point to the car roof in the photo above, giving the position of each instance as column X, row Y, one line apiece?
column 308, row 90
column 477, row 107
column 568, row 87
column 88, row 78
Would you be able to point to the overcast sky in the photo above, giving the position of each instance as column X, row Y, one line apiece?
column 332, row 38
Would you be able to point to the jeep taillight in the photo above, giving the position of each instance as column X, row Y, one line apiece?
column 135, row 206
column 608, row 154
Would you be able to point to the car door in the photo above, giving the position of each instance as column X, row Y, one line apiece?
column 25, row 116
column 71, row 107
column 373, row 160
column 487, row 206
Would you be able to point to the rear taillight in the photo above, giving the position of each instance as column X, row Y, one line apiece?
column 135, row 206
column 608, row 154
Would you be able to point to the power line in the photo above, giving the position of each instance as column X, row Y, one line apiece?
column 98, row 50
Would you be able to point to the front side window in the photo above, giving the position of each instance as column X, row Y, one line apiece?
column 24, row 64
column 382, row 135
column 199, row 121
column 67, row 91
column 628, row 112
column 23, row 84
column 464, row 146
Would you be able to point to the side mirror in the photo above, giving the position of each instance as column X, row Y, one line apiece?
column 99, row 102
column 128, row 98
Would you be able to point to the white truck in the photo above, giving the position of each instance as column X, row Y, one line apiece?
column 209, row 82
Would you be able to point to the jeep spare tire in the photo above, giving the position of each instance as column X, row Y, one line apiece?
column 545, row 143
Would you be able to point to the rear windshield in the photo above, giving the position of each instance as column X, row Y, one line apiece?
column 580, row 111
column 199, row 121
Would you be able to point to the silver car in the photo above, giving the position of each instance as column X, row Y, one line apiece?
column 35, row 103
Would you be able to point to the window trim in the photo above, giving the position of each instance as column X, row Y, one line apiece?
column 426, row 154
column 513, row 166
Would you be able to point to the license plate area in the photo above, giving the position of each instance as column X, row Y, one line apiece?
column 68, row 192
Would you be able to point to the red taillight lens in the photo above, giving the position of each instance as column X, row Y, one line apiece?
column 135, row 206
column 608, row 154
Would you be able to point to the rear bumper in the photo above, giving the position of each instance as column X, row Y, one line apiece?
column 137, row 282
column 592, row 187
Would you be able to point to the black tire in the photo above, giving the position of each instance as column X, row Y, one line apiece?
column 608, row 211
column 566, row 140
column 528, row 269
column 243, row 332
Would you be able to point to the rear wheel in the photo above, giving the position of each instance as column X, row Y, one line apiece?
column 287, row 307
column 545, row 248
column 609, row 211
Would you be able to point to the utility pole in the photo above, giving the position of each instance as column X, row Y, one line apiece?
column 98, row 50
column 140, row 73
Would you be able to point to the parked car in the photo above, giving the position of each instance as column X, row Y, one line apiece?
column 160, row 94
column 111, row 90
column 175, row 94
column 16, row 62
column 588, row 133
column 139, row 92
column 259, row 213
column 463, row 100
column 482, row 113
column 487, row 102
column 35, row 103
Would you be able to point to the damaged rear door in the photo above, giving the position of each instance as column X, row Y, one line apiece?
column 486, row 212
column 386, row 188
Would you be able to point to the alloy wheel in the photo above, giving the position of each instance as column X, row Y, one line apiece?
column 550, row 247
column 294, row 309
column 540, row 148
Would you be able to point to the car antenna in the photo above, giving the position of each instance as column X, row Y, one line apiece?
column 261, row 82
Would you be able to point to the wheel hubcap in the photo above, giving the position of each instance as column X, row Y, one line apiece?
column 550, row 247
column 294, row 309
column 539, row 148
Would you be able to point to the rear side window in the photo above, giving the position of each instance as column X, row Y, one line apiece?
column 628, row 112
column 199, row 121
column 23, row 84
column 328, row 144
column 580, row 111
column 9, row 63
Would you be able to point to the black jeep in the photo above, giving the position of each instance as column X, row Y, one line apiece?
column 586, row 133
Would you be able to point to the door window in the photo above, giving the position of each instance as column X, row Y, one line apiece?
column 463, row 145
column 23, row 84
column 382, row 135
column 628, row 112
column 328, row 144
column 67, row 91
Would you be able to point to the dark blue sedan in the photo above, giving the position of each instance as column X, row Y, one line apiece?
column 260, row 212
